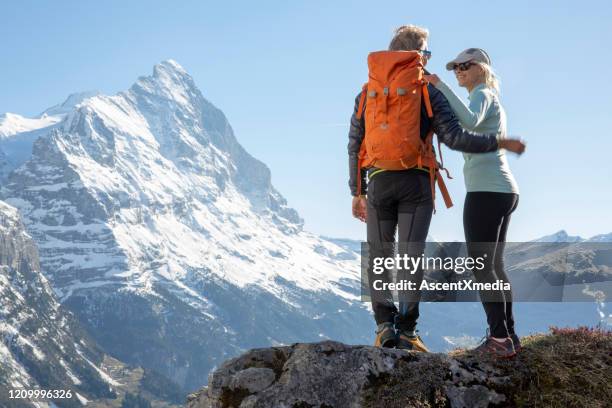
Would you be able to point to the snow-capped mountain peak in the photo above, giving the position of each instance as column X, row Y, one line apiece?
column 559, row 236
column 170, row 81
column 71, row 102
column 144, row 203
column 170, row 71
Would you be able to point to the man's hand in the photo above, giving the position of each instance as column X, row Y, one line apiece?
column 360, row 208
column 433, row 79
column 514, row 145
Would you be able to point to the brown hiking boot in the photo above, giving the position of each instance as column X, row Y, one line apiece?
column 411, row 341
column 497, row 349
column 385, row 335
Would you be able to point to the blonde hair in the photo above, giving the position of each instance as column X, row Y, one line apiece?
column 491, row 80
column 408, row 38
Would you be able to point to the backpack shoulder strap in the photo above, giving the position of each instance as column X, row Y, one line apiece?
column 426, row 100
column 361, row 107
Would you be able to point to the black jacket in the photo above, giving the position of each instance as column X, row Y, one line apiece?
column 444, row 124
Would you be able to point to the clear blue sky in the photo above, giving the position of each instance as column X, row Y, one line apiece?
column 286, row 73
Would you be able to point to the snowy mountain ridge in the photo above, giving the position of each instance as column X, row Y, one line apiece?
column 145, row 208
column 12, row 124
column 148, row 148
column 563, row 236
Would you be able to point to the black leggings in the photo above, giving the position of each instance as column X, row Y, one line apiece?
column 398, row 201
column 486, row 216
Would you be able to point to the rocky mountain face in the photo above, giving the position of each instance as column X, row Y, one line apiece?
column 166, row 238
column 41, row 345
column 334, row 375
column 3, row 165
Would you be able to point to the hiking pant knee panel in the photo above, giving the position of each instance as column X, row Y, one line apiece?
column 486, row 216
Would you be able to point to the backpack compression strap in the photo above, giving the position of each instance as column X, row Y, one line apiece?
column 434, row 173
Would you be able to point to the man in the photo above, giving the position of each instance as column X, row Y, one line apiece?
column 402, row 199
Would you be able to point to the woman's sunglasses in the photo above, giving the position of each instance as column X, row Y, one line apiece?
column 464, row 66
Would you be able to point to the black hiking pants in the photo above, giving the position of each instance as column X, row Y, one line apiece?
column 486, row 216
column 398, row 202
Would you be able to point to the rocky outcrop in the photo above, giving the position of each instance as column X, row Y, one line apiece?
column 552, row 370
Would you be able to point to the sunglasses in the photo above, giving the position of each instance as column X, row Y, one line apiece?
column 426, row 53
column 464, row 66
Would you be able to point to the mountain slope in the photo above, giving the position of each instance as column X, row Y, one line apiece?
column 18, row 133
column 168, row 240
column 40, row 344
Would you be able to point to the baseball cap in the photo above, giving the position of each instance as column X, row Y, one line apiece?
column 471, row 54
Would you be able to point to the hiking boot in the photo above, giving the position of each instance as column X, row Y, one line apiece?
column 385, row 336
column 409, row 340
column 517, row 342
column 494, row 348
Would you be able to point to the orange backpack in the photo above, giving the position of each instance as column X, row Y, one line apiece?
column 392, row 139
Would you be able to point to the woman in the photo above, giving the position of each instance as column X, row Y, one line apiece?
column 492, row 192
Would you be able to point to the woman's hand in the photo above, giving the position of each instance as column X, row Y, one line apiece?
column 433, row 79
column 360, row 209
column 514, row 145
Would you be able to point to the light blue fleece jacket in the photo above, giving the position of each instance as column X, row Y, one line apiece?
column 483, row 171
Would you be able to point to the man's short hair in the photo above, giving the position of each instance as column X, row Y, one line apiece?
column 408, row 38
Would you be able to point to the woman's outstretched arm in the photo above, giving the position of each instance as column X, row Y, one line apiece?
column 446, row 125
column 469, row 116
column 450, row 132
